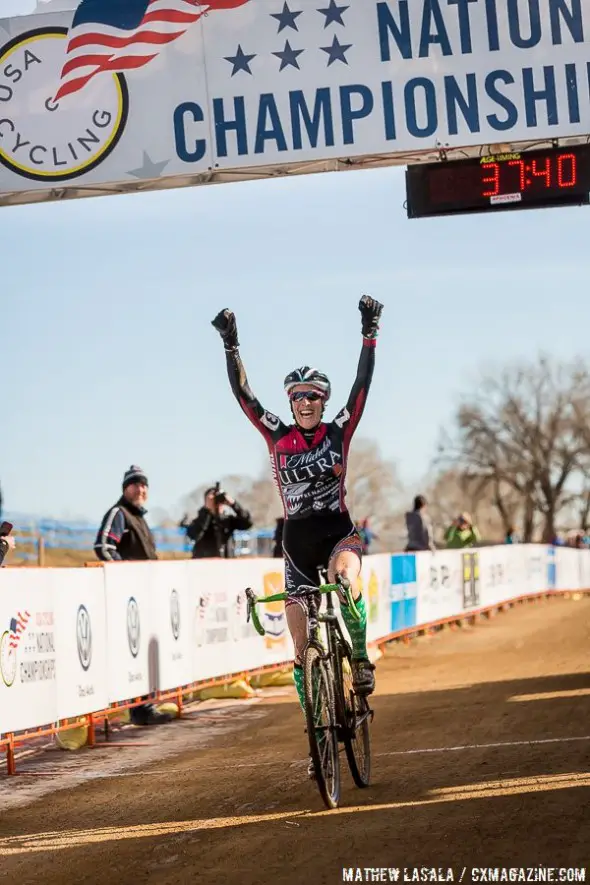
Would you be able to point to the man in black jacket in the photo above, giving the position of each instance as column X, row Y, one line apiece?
column 212, row 531
column 125, row 535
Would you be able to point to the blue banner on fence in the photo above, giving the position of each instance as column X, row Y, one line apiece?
column 551, row 569
column 404, row 589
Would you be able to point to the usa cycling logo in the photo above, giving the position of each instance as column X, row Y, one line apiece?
column 175, row 614
column 84, row 637
column 43, row 139
column 133, row 627
column 9, row 644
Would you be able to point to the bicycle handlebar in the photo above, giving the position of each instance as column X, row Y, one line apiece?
column 343, row 584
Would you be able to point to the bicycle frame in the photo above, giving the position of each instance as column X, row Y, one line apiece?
column 330, row 619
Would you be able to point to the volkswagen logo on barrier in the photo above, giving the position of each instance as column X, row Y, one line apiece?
column 175, row 614
column 133, row 631
column 84, row 637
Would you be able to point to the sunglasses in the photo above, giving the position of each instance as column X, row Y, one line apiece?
column 312, row 395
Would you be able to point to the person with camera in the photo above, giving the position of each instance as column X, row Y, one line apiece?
column 213, row 529
column 462, row 533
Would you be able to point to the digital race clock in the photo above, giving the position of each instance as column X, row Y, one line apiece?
column 527, row 180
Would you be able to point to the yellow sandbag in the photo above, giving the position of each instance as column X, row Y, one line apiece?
column 122, row 716
column 168, row 707
column 237, row 689
column 277, row 677
column 73, row 738
column 375, row 654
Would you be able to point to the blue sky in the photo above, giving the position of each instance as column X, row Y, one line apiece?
column 109, row 358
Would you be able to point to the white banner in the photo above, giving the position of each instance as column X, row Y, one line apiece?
column 28, row 691
column 498, row 567
column 440, row 585
column 132, row 629
column 80, row 640
column 376, row 588
column 249, row 87
column 568, row 567
column 74, row 640
column 223, row 641
column 171, row 603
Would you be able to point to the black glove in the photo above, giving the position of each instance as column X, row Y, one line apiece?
column 225, row 323
column 370, row 313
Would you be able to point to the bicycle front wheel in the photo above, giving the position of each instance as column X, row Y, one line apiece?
column 320, row 714
column 356, row 733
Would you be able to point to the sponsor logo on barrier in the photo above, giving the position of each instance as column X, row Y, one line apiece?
column 273, row 614
column 471, row 592
column 47, row 140
column 84, row 637
column 175, row 614
column 497, row 575
column 9, row 644
column 133, row 627
column 440, row 578
column 373, row 597
column 200, row 620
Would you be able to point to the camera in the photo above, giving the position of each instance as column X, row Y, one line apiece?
column 219, row 494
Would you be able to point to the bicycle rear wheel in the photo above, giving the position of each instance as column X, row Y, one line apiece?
column 320, row 714
column 356, row 715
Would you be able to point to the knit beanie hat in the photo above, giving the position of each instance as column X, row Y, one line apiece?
column 134, row 474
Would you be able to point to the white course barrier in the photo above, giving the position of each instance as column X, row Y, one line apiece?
column 73, row 641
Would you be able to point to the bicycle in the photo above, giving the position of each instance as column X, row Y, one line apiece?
column 334, row 712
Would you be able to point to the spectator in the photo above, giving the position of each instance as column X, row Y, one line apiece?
column 6, row 544
column 511, row 536
column 213, row 529
column 367, row 535
column 419, row 526
column 462, row 533
column 124, row 535
column 278, row 539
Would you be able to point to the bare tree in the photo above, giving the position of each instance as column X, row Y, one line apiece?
column 520, row 432
column 374, row 491
column 453, row 491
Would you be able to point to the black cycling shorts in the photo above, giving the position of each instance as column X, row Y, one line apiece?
column 309, row 544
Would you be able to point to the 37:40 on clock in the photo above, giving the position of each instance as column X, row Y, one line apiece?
column 557, row 171
column 527, row 180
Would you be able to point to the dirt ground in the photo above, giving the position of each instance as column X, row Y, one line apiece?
column 481, row 755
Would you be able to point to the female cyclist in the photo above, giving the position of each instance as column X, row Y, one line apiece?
column 309, row 460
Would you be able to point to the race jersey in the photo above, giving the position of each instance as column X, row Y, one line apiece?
column 309, row 476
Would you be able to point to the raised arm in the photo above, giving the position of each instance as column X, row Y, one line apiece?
column 351, row 414
column 267, row 423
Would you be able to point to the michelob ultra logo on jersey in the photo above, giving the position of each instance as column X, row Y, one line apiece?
column 48, row 140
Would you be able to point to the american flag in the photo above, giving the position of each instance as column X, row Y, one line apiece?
column 120, row 35
column 17, row 627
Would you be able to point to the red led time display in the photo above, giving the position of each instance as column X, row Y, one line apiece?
column 516, row 176
column 526, row 180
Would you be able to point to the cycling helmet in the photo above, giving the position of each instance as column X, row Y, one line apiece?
column 307, row 375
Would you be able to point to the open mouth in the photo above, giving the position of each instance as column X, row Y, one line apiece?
column 306, row 413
